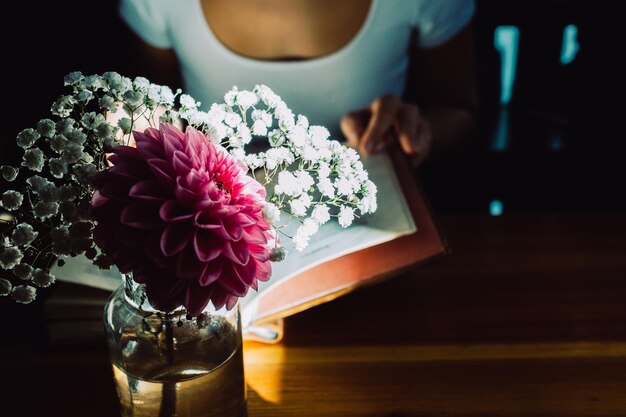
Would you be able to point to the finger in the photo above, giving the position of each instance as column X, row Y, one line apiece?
column 407, row 125
column 384, row 112
column 353, row 125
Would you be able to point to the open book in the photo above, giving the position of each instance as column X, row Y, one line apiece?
column 399, row 234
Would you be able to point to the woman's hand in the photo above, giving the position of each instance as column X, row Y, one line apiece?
column 386, row 120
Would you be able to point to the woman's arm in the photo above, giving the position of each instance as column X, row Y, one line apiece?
column 439, row 109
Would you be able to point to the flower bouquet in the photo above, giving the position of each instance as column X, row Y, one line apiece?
column 190, row 218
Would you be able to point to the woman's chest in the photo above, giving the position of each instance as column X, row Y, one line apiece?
column 279, row 29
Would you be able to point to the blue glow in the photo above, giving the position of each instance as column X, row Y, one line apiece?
column 500, row 142
column 506, row 41
column 570, row 44
column 496, row 208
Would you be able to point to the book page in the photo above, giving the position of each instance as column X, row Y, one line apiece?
column 392, row 220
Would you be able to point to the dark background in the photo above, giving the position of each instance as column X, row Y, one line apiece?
column 577, row 106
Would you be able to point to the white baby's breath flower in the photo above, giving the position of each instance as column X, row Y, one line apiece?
column 319, row 136
column 271, row 213
column 44, row 210
column 141, row 84
column 287, row 184
column 46, row 128
column 23, row 271
column 246, row 99
column 23, row 234
column 58, row 142
column 42, row 278
column 297, row 135
column 27, row 138
column 232, row 119
column 24, row 294
column 259, row 128
column 58, row 167
column 343, row 186
column 302, row 120
column 301, row 239
column 10, row 257
column 216, row 131
column 217, row 113
column 238, row 153
column 268, row 97
column 305, row 181
column 325, row 186
column 253, row 161
column 310, row 227
column 5, row 287
column 310, row 154
column 346, row 216
column 321, row 213
column 63, row 106
column 243, row 133
column 187, row 101
column 38, row 183
column 263, row 115
column 167, row 95
column 298, row 207
column 11, row 200
column 72, row 152
column 231, row 96
column 73, row 78
column 108, row 103
column 9, row 173
column 323, row 170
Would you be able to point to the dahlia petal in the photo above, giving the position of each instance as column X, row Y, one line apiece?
column 175, row 238
column 244, row 220
column 172, row 141
column 188, row 266
column 233, row 228
column 150, row 150
column 128, row 236
column 162, row 170
column 197, row 298
column 211, row 273
column 152, row 247
column 183, row 192
column 181, row 163
column 207, row 246
column 220, row 297
column 158, row 294
column 254, row 235
column 237, row 252
column 116, row 190
column 259, row 252
column 263, row 270
column 141, row 215
column 173, row 211
column 232, row 282
column 149, row 190
column 124, row 152
column 97, row 199
column 231, row 302
column 130, row 169
column 247, row 272
column 203, row 221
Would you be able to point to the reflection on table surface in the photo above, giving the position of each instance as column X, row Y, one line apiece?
column 525, row 316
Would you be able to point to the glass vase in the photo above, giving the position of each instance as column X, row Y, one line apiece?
column 171, row 364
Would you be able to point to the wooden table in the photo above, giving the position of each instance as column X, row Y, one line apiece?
column 526, row 316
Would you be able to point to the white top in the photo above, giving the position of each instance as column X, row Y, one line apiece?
column 372, row 64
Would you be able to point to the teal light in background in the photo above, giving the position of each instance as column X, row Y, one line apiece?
column 496, row 208
column 570, row 44
column 506, row 41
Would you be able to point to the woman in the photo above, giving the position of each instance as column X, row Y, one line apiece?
column 343, row 63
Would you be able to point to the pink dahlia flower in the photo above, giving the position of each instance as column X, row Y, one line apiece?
column 184, row 218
